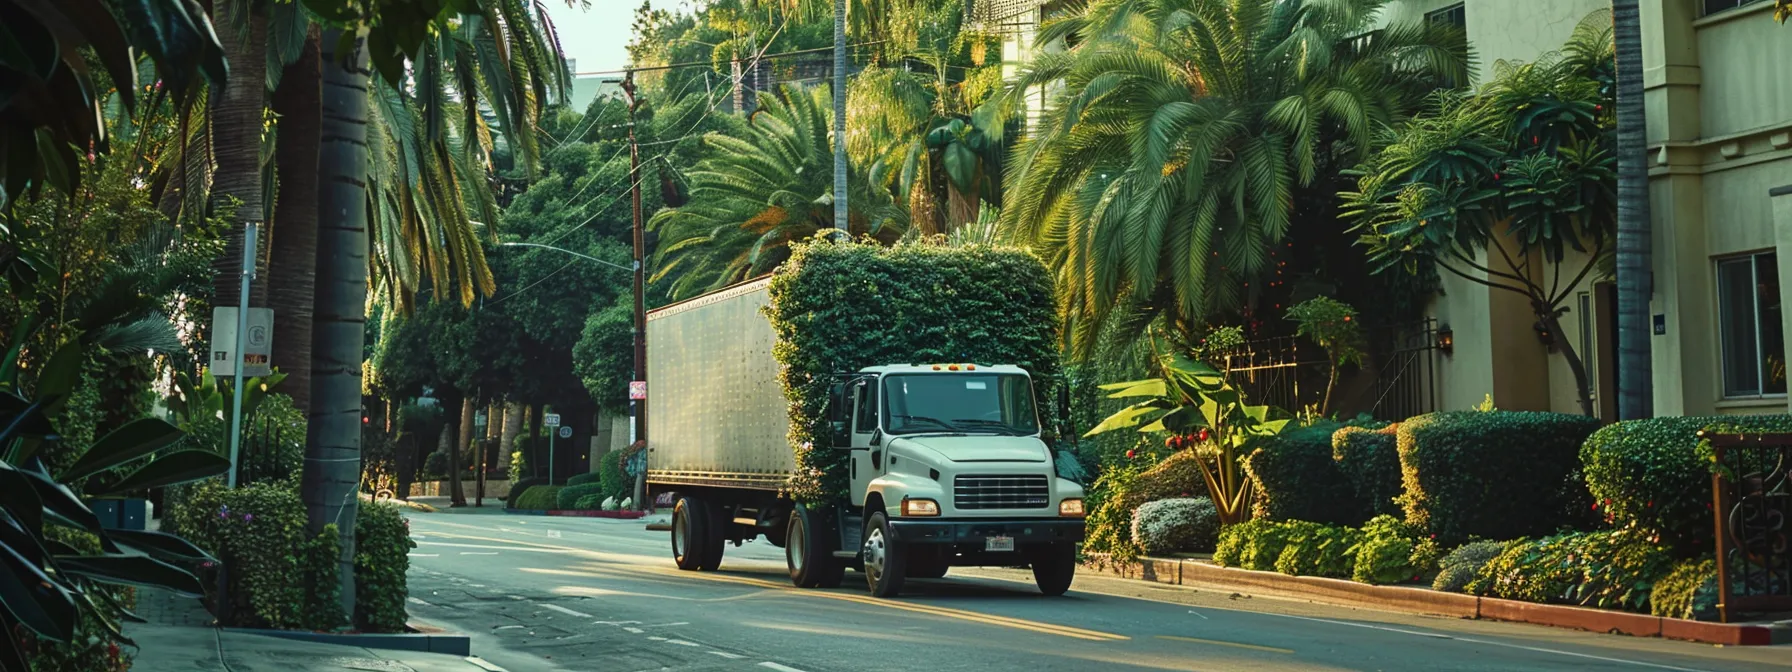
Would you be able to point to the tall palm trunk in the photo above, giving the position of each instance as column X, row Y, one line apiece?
column 457, row 495
column 1635, row 379
column 333, row 446
column 840, row 209
column 236, row 129
column 292, row 244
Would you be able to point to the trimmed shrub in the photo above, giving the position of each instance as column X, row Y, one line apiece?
column 615, row 482
column 581, row 479
column 589, row 503
column 1391, row 552
column 435, row 467
column 382, row 559
column 1461, row 565
column 1495, row 474
column 258, row 532
column 1175, row 525
column 1314, row 549
column 1653, row 473
column 1612, row 569
column 1370, row 460
column 1688, row 591
column 517, row 489
column 539, row 498
column 1296, row 478
column 1252, row 544
column 1121, row 490
column 973, row 303
column 568, row 497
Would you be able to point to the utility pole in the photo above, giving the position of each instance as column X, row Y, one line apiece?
column 840, row 116
column 637, row 421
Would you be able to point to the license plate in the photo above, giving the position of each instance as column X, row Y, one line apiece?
column 995, row 544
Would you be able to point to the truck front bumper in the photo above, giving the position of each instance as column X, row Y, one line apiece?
column 972, row 531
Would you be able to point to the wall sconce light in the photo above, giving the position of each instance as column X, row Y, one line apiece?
column 1446, row 339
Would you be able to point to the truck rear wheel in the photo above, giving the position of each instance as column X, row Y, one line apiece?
column 716, row 538
column 886, row 557
column 690, row 533
column 809, row 543
column 1054, row 567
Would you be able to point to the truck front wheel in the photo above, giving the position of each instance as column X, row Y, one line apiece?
column 809, row 542
column 690, row 533
column 886, row 557
column 1054, row 566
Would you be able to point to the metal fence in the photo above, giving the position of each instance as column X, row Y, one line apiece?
column 1397, row 379
column 1751, row 501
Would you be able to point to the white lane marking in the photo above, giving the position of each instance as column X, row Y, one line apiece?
column 478, row 552
column 725, row 654
column 419, row 536
column 635, row 630
column 568, row 612
column 681, row 642
column 780, row 668
column 424, row 555
column 616, row 623
column 1197, row 613
column 516, row 597
column 414, row 600
column 666, row 625
column 657, row 639
column 553, row 534
column 488, row 667
column 1470, row 640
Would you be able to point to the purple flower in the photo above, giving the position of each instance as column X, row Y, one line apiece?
column 248, row 516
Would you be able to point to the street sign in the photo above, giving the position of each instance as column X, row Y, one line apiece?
column 550, row 420
column 258, row 346
column 637, row 390
column 479, row 419
column 565, row 432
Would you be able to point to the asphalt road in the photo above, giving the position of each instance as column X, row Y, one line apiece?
column 541, row 593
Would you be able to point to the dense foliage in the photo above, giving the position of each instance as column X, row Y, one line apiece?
column 1464, row 563
column 382, row 559
column 844, row 306
column 568, row 497
column 243, row 528
column 614, row 479
column 1391, row 551
column 1370, row 460
column 1297, row 479
column 1688, row 591
column 1384, row 550
column 1175, row 525
column 538, row 498
column 1654, row 474
column 1612, row 569
column 1494, row 475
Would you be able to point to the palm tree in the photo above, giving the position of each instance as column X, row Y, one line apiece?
column 292, row 242
column 237, row 119
column 758, row 192
column 1166, row 171
column 1635, row 381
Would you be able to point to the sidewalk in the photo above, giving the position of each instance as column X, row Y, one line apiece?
column 179, row 637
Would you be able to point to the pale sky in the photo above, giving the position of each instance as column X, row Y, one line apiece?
column 597, row 37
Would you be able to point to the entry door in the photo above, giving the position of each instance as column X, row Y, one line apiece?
column 867, row 460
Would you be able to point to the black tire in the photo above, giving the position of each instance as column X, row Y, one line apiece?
column 690, row 533
column 928, row 562
column 1054, row 567
column 809, row 543
column 717, row 541
column 886, row 557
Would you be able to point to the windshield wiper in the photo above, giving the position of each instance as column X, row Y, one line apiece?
column 1006, row 428
column 947, row 425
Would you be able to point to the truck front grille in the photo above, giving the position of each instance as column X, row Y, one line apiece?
column 1000, row 492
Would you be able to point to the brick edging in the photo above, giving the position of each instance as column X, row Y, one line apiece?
column 578, row 513
column 1416, row 600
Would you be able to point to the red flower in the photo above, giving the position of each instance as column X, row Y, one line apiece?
column 1130, row 454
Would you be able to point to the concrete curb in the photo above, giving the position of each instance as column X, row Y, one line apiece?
column 457, row 645
column 1410, row 599
column 624, row 515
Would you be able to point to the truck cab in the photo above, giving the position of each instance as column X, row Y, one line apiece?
column 947, row 468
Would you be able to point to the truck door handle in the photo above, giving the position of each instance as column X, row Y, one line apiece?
column 877, row 459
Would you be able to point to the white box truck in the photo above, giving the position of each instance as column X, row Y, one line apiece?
column 947, row 464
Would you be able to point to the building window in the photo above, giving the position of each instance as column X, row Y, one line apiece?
column 1748, row 305
column 1715, row 6
column 1454, row 15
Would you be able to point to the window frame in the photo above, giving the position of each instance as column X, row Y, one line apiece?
column 1446, row 14
column 1753, row 260
column 1706, row 10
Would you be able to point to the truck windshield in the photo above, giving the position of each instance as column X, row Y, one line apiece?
column 959, row 402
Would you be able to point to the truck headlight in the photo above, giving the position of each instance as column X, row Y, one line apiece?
column 1071, row 507
column 920, row 507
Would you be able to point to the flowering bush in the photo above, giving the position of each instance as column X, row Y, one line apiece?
column 1173, row 525
column 258, row 532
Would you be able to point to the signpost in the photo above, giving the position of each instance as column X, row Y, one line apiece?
column 243, row 336
column 551, row 421
column 257, row 348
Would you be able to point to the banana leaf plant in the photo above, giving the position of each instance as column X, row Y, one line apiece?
column 206, row 395
column 46, row 585
column 1193, row 400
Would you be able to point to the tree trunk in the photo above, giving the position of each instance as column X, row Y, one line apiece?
column 1331, row 383
column 1582, row 387
column 236, row 129
column 962, row 206
column 533, row 454
column 457, row 495
column 513, row 424
column 292, row 244
column 1635, row 380
column 333, row 446
column 840, row 207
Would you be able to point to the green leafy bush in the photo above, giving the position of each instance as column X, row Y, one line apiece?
column 1315, row 549
column 539, row 498
column 568, row 497
column 321, row 560
column 258, row 532
column 1175, row 525
column 1253, row 544
column 581, row 479
column 1612, row 569
column 929, row 303
column 382, row 559
column 589, row 502
column 1370, row 461
column 1653, row 473
column 1391, row 552
column 1121, row 490
column 1461, row 565
column 616, row 482
column 1688, row 591
column 1296, row 478
column 517, row 490
column 1498, row 475
column 519, row 465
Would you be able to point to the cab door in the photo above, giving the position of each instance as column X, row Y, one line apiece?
column 867, row 460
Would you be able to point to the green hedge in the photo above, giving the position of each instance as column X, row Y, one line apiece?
column 1296, row 478
column 539, row 498
column 1370, row 460
column 615, row 480
column 568, row 497
column 1384, row 550
column 1652, row 473
column 1494, row 474
column 844, row 306
column 382, row 559
column 589, row 503
column 1611, row 569
column 258, row 532
column 581, row 479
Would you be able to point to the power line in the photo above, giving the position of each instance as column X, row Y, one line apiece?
column 693, row 64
